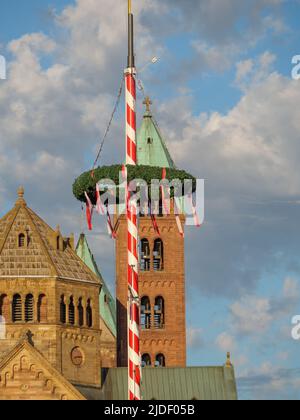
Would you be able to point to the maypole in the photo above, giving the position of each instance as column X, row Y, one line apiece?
column 134, row 358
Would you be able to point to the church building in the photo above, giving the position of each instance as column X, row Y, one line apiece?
column 64, row 336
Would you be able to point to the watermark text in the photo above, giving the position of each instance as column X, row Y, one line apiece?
column 296, row 68
column 2, row 68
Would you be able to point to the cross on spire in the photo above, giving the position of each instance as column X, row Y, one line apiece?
column 148, row 103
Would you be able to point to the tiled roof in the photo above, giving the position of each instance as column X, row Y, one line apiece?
column 40, row 257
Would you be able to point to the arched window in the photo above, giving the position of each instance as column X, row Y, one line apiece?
column 63, row 310
column 42, row 309
column 58, row 243
column 21, row 240
column 17, row 315
column 71, row 311
column 89, row 314
column 29, row 308
column 146, row 360
column 145, row 313
column 80, row 312
column 160, row 360
column 4, row 307
column 159, row 313
column 145, row 255
column 158, row 255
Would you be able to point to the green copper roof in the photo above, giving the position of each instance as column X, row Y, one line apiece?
column 151, row 148
column 106, row 301
column 170, row 384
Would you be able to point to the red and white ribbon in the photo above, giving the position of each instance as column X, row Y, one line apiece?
column 154, row 224
column 111, row 229
column 89, row 212
column 194, row 211
column 165, row 203
column 177, row 207
column 134, row 357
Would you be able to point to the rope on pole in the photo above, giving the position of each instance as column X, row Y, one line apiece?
column 116, row 106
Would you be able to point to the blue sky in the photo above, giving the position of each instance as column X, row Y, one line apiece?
column 224, row 98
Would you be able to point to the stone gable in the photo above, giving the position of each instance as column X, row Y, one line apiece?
column 26, row 375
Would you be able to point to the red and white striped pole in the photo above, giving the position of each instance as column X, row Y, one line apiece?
column 134, row 357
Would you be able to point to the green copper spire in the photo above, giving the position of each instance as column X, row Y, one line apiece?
column 151, row 148
column 106, row 301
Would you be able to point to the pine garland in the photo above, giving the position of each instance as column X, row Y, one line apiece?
column 88, row 180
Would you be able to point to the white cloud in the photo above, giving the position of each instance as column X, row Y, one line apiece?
column 214, row 58
column 254, row 315
column 291, row 289
column 269, row 382
column 252, row 72
column 251, row 315
column 194, row 337
column 243, row 68
column 219, row 21
column 226, row 342
column 249, row 159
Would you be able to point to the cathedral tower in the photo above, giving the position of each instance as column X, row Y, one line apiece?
column 48, row 295
column 161, row 271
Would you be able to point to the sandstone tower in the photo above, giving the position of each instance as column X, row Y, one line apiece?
column 161, row 271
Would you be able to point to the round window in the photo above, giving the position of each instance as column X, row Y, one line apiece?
column 77, row 357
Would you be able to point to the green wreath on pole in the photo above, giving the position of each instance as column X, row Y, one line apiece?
column 88, row 180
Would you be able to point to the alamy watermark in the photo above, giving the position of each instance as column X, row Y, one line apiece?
column 2, row 68
column 296, row 327
column 160, row 198
column 296, row 68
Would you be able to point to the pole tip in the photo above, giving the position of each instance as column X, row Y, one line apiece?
column 129, row 7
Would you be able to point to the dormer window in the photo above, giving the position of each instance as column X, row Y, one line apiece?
column 21, row 240
column 149, row 140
